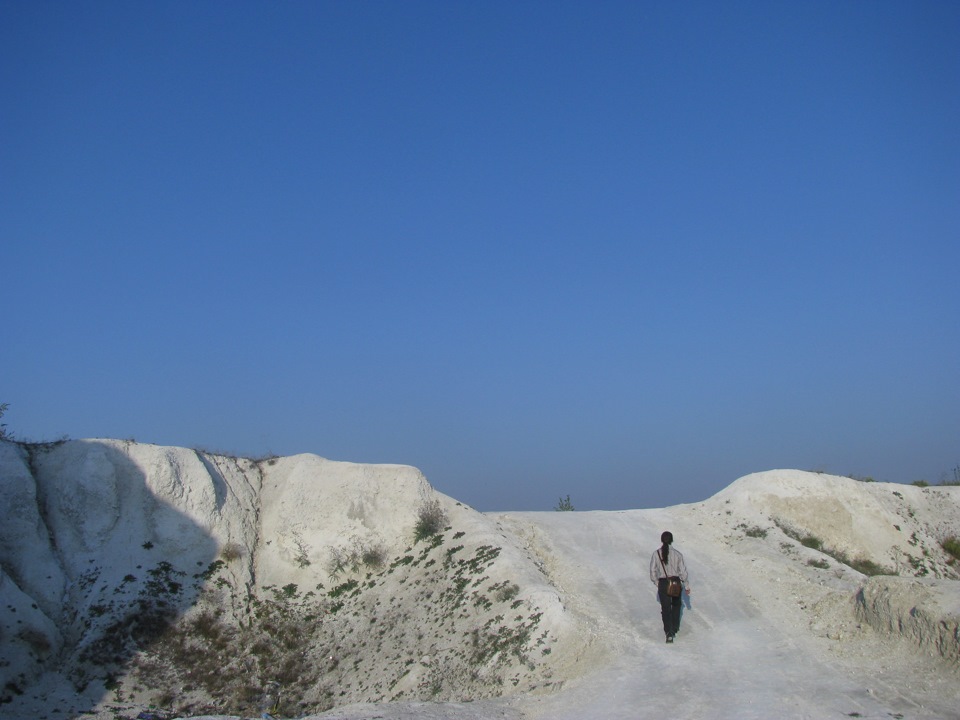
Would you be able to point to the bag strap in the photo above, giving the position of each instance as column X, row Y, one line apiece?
column 660, row 558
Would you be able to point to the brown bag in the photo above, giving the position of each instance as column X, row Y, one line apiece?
column 674, row 587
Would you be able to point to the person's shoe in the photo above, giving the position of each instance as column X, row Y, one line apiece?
column 669, row 638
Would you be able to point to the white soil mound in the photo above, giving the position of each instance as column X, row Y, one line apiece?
column 172, row 577
column 134, row 575
column 899, row 528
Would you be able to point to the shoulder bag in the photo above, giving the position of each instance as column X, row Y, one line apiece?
column 674, row 586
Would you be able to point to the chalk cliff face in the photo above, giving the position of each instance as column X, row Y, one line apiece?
column 175, row 572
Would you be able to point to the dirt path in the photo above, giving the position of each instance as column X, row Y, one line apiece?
column 737, row 655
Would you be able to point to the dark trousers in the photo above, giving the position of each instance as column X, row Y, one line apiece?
column 670, row 608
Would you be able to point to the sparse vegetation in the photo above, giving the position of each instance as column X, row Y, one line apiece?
column 302, row 550
column 4, row 434
column 564, row 505
column 956, row 477
column 951, row 546
column 862, row 565
column 350, row 558
column 505, row 591
column 431, row 519
column 374, row 557
column 231, row 552
column 321, row 648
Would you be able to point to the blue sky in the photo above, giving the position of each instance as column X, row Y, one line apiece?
column 625, row 251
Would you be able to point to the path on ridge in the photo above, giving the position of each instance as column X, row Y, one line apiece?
column 732, row 658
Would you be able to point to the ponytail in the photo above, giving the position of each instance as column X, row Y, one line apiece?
column 666, row 538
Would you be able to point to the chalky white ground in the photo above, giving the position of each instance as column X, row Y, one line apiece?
column 752, row 643
column 764, row 633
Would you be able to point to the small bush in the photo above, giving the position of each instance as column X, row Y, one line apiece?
column 302, row 557
column 564, row 505
column 756, row 532
column 343, row 588
column 867, row 567
column 374, row 557
column 231, row 552
column 431, row 519
column 952, row 546
column 507, row 592
column 822, row 564
column 920, row 483
column 339, row 561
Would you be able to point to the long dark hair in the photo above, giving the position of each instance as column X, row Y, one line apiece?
column 666, row 539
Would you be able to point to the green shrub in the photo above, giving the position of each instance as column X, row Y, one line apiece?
column 374, row 557
column 431, row 519
column 952, row 546
column 302, row 557
column 867, row 567
column 507, row 592
column 564, row 505
column 810, row 541
column 344, row 588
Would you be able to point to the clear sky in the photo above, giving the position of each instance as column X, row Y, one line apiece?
column 625, row 251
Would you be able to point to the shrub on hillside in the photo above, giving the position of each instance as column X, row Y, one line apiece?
column 431, row 519
column 374, row 557
column 952, row 546
column 231, row 551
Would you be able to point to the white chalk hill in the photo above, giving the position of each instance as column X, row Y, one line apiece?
column 135, row 575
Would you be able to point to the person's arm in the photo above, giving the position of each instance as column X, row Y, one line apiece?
column 682, row 572
column 654, row 568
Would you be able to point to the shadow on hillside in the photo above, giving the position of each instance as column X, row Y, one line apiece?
column 132, row 564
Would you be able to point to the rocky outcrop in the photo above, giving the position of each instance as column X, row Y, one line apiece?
column 922, row 612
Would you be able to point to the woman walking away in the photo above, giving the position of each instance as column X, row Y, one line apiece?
column 668, row 572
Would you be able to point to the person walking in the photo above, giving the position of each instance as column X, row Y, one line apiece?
column 667, row 565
